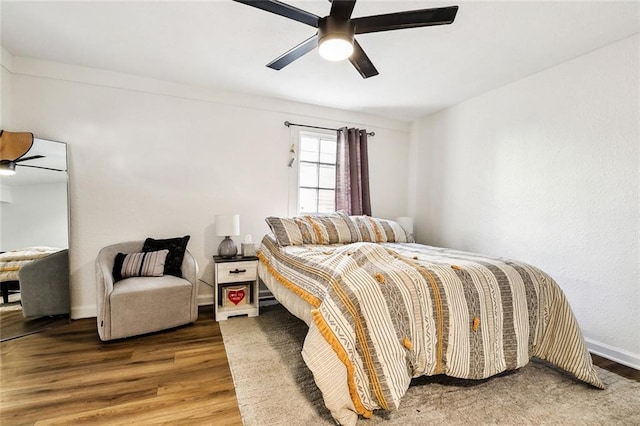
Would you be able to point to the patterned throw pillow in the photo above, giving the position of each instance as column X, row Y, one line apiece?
column 376, row 230
column 176, row 247
column 333, row 228
column 336, row 228
column 286, row 230
column 146, row 264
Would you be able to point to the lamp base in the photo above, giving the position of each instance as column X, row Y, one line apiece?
column 227, row 248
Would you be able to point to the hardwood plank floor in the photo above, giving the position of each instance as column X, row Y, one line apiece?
column 66, row 375
column 13, row 324
column 614, row 367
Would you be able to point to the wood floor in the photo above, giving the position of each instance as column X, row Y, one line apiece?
column 14, row 325
column 620, row 370
column 65, row 375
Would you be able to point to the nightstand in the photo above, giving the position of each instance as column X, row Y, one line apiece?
column 235, row 286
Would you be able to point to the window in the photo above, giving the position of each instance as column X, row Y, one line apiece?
column 317, row 173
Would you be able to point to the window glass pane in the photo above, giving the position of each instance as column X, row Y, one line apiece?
column 308, row 174
column 314, row 150
column 327, row 177
column 326, row 202
column 309, row 148
column 328, row 151
column 308, row 200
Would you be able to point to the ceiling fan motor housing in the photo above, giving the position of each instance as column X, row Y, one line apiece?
column 7, row 168
column 330, row 27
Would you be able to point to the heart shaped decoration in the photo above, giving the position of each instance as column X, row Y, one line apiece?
column 236, row 296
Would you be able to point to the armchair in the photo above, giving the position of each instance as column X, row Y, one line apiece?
column 141, row 305
column 44, row 286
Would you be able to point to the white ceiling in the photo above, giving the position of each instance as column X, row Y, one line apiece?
column 224, row 44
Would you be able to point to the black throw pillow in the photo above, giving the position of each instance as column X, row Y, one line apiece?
column 176, row 247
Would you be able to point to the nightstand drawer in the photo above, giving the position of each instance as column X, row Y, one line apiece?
column 232, row 272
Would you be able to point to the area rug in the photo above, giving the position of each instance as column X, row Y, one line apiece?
column 274, row 387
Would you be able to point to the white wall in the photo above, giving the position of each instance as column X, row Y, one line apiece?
column 36, row 216
column 150, row 158
column 546, row 170
column 5, row 89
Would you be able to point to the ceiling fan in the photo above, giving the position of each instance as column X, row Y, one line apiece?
column 12, row 148
column 335, row 37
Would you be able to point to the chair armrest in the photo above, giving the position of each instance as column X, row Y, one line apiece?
column 104, row 266
column 104, row 287
column 189, row 268
column 104, row 278
column 190, row 273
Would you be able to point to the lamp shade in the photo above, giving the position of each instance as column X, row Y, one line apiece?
column 406, row 222
column 227, row 225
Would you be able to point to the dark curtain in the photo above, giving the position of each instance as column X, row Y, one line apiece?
column 352, row 172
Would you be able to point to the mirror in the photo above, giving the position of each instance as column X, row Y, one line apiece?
column 34, row 208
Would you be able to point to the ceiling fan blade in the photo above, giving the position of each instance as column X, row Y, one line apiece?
column 33, row 157
column 14, row 145
column 342, row 8
column 361, row 61
column 303, row 48
column 285, row 10
column 40, row 167
column 408, row 19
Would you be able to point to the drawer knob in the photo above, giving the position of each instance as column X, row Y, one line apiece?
column 237, row 271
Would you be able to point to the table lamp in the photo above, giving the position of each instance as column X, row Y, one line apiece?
column 226, row 226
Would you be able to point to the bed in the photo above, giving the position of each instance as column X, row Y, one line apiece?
column 382, row 309
column 12, row 261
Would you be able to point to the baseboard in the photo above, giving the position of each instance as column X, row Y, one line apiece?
column 86, row 311
column 204, row 300
column 614, row 354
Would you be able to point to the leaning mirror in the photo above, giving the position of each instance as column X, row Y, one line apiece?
column 34, row 230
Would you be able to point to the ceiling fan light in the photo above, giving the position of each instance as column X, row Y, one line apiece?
column 335, row 48
column 7, row 169
column 335, row 38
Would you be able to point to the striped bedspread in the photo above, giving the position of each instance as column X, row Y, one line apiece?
column 12, row 261
column 396, row 311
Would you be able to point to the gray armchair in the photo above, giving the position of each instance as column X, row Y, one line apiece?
column 143, row 305
column 44, row 286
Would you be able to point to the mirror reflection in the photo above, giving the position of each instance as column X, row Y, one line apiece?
column 34, row 231
column 34, row 200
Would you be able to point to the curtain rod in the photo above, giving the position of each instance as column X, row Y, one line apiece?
column 288, row 124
